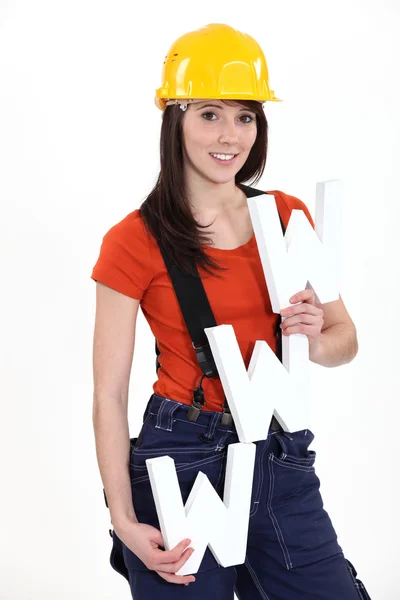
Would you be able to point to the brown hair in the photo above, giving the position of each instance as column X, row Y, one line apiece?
column 166, row 211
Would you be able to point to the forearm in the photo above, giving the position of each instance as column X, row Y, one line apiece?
column 113, row 450
column 337, row 345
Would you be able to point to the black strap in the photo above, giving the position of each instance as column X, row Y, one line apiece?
column 197, row 312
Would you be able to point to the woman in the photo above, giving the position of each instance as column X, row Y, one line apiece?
column 213, row 139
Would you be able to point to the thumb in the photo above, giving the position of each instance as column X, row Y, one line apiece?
column 157, row 538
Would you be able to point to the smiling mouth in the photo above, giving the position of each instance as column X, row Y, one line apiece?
column 222, row 157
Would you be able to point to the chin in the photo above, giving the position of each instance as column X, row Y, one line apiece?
column 221, row 177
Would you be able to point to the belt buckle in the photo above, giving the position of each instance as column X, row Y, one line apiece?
column 227, row 419
column 193, row 413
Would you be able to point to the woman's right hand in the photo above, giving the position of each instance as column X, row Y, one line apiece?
column 145, row 541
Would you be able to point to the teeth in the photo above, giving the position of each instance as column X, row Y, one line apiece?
column 223, row 156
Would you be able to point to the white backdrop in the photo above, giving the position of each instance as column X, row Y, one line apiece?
column 78, row 151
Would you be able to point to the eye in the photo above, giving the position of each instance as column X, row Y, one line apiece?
column 207, row 114
column 208, row 117
column 250, row 117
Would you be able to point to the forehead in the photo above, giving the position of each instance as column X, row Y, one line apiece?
column 232, row 104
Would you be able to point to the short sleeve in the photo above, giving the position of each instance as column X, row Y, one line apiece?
column 124, row 262
column 294, row 203
column 298, row 204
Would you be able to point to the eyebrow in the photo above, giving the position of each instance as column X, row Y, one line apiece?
column 219, row 106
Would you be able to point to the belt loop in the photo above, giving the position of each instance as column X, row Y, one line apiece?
column 165, row 414
column 208, row 436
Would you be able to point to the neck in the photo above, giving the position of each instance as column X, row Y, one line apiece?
column 215, row 198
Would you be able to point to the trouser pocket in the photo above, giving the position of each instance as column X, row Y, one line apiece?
column 189, row 460
column 191, row 454
column 302, row 526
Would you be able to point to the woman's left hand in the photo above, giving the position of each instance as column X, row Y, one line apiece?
column 303, row 318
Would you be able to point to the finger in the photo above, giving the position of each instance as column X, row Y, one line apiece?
column 184, row 558
column 157, row 539
column 170, row 556
column 303, row 296
column 173, row 567
column 180, row 579
column 302, row 307
column 301, row 318
column 308, row 330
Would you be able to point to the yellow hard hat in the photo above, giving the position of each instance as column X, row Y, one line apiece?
column 216, row 62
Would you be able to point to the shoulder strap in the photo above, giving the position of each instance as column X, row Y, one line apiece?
column 196, row 309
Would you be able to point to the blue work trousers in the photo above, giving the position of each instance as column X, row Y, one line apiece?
column 292, row 549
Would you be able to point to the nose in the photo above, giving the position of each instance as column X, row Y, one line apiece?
column 228, row 134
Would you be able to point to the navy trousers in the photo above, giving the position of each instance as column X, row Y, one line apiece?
column 292, row 550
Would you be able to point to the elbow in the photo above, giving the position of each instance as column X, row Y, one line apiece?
column 353, row 345
column 106, row 404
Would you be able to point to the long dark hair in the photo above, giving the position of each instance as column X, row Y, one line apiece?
column 166, row 211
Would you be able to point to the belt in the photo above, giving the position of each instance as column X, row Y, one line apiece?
column 227, row 419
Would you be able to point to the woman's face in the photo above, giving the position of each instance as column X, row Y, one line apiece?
column 212, row 128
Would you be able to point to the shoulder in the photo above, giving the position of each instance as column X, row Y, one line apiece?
column 132, row 223
column 125, row 260
column 286, row 203
column 130, row 231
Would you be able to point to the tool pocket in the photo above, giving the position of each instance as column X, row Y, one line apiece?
column 116, row 557
column 292, row 462
column 358, row 584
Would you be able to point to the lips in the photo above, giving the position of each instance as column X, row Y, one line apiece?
column 222, row 161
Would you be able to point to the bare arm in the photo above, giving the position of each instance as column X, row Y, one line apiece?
column 113, row 347
column 330, row 330
column 337, row 345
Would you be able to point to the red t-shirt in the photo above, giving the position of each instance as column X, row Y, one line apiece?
column 131, row 263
